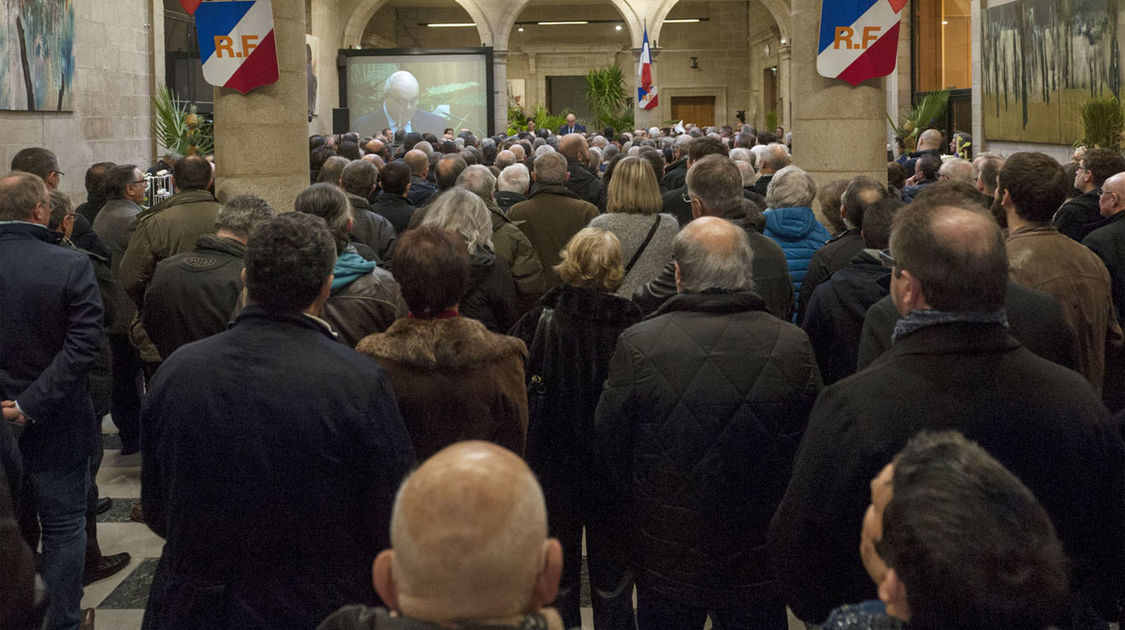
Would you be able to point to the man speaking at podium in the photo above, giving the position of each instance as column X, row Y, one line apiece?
column 399, row 111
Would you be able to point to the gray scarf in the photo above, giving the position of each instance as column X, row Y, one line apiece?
column 918, row 319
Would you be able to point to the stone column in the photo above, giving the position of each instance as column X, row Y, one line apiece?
column 838, row 131
column 500, row 90
column 785, row 104
column 261, row 139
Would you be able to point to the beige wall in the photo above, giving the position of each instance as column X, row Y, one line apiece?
column 112, row 85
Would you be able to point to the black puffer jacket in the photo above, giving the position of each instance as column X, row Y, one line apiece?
column 491, row 298
column 697, row 427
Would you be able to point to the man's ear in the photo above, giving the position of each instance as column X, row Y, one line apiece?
column 53, row 180
column 533, row 177
column 382, row 572
column 912, row 296
column 1005, row 199
column 677, row 276
column 980, row 185
column 893, row 594
column 547, row 582
column 696, row 208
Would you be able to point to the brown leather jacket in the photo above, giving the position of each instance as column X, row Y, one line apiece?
column 1042, row 258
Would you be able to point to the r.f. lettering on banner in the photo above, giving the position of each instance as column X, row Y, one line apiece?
column 236, row 43
column 858, row 39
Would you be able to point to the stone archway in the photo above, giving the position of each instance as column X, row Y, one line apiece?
column 779, row 10
column 365, row 11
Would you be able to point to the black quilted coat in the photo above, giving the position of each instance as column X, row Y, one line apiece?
column 698, row 425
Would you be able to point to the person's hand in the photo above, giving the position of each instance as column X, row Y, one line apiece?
column 910, row 180
column 12, row 413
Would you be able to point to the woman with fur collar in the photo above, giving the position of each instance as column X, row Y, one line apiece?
column 453, row 379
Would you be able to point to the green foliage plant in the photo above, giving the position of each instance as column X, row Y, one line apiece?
column 178, row 125
column 1103, row 122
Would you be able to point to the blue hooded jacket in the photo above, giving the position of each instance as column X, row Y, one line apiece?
column 349, row 268
column 799, row 234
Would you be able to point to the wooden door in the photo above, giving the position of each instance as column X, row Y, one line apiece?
column 694, row 109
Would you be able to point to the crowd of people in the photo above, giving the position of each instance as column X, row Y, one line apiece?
column 454, row 369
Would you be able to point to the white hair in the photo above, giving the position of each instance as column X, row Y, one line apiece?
column 463, row 212
column 741, row 154
column 544, row 148
column 791, row 187
column 514, row 178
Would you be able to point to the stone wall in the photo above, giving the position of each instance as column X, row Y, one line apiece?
column 113, row 81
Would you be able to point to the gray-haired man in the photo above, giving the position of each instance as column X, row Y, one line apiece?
column 697, row 429
column 192, row 295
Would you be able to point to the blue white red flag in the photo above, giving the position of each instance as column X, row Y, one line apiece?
column 236, row 43
column 858, row 39
column 646, row 93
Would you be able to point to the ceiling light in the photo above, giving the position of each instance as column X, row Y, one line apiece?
column 449, row 24
column 617, row 28
column 520, row 29
column 562, row 23
column 944, row 22
column 682, row 21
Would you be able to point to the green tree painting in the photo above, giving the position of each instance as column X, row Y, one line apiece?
column 37, row 41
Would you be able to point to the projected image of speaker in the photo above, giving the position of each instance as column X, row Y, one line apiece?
column 417, row 90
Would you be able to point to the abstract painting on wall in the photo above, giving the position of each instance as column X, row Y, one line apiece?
column 37, row 41
column 1042, row 59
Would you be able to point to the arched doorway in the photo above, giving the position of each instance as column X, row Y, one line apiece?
column 722, row 61
column 552, row 46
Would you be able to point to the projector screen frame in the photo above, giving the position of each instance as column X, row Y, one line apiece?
column 487, row 51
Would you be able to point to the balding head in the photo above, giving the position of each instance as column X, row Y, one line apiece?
column 24, row 197
column 774, row 158
column 469, row 539
column 930, row 139
column 1112, row 200
column 518, row 151
column 947, row 258
column 573, row 146
column 712, row 253
column 958, row 170
column 418, row 162
column 504, row 159
column 400, row 96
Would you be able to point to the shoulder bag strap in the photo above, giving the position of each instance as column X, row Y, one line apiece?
column 641, row 249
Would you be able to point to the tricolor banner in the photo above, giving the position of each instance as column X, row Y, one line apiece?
column 646, row 93
column 236, row 43
column 858, row 39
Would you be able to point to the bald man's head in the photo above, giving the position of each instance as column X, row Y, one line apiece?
column 712, row 253
column 574, row 147
column 400, row 95
column 930, row 139
column 469, row 539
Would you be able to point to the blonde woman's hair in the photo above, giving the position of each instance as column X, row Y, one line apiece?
column 633, row 188
column 592, row 260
